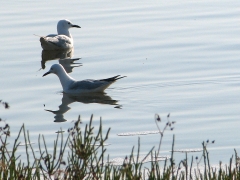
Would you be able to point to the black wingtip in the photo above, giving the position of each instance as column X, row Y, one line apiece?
column 117, row 77
column 114, row 78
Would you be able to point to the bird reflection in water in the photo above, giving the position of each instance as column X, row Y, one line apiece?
column 86, row 98
column 64, row 57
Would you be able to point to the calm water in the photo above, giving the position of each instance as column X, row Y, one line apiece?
column 181, row 58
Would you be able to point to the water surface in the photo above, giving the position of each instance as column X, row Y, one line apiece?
column 179, row 57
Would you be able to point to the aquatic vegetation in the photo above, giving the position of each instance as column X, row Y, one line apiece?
column 169, row 125
column 82, row 155
column 5, row 104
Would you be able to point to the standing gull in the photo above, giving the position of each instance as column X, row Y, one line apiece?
column 62, row 40
column 70, row 85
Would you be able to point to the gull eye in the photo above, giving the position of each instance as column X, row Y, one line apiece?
column 68, row 22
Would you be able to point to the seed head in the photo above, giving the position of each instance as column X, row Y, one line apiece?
column 157, row 117
column 7, row 133
column 73, row 133
column 6, row 126
column 76, row 123
column 6, row 105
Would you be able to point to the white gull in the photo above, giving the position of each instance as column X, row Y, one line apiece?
column 70, row 85
column 62, row 40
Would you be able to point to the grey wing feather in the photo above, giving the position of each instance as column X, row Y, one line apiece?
column 87, row 84
column 94, row 85
column 59, row 40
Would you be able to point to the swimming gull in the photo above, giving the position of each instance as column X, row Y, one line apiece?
column 70, row 85
column 62, row 40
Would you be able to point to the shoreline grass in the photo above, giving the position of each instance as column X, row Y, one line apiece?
column 86, row 158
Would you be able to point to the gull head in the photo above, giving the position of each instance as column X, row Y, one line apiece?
column 64, row 25
column 55, row 69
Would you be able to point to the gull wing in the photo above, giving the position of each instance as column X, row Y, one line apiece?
column 90, row 85
column 87, row 84
column 56, row 42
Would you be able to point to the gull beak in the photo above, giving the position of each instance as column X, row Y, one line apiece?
column 76, row 26
column 46, row 73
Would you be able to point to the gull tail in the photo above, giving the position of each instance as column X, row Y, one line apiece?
column 112, row 79
column 43, row 40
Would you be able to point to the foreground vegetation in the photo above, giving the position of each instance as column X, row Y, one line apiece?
column 86, row 158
